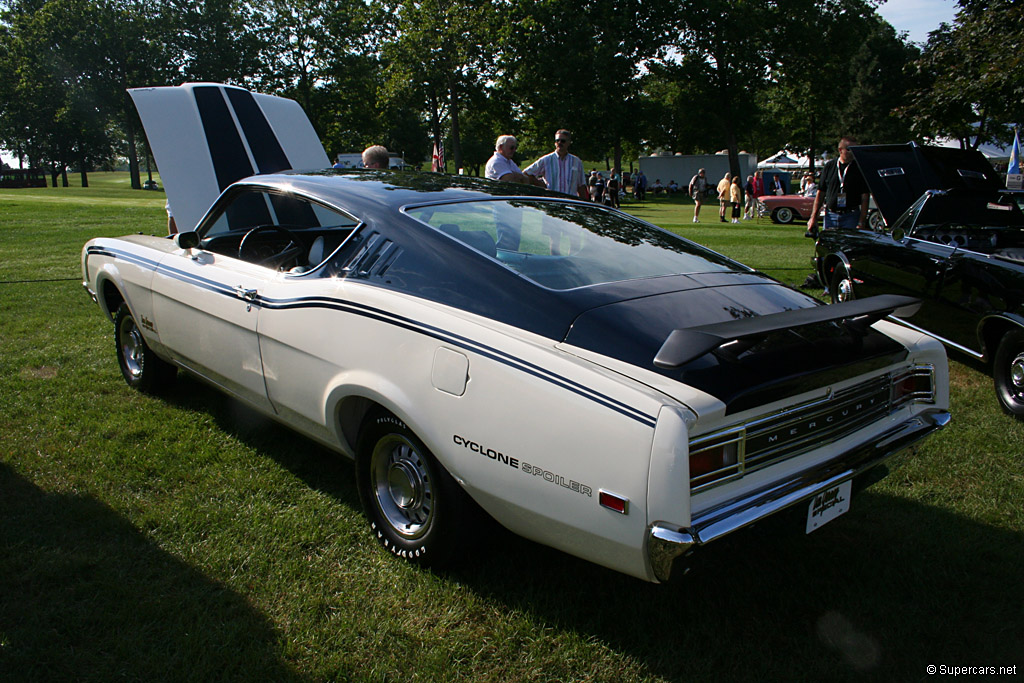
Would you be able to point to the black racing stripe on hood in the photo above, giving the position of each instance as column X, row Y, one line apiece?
column 264, row 145
column 230, row 161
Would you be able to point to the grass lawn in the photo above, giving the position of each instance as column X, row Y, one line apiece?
column 187, row 538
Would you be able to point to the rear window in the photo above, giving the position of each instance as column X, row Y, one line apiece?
column 562, row 245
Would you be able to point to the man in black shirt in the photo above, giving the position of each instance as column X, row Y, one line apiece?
column 843, row 192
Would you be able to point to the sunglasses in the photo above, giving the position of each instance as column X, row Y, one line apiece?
column 561, row 140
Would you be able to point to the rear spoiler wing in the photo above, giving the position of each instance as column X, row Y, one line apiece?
column 685, row 345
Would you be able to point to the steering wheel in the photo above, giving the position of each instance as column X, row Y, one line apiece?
column 265, row 254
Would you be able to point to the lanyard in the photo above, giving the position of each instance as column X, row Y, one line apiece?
column 842, row 174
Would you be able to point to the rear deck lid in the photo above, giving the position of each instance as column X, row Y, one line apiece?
column 753, row 366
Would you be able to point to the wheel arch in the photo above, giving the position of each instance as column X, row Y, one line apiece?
column 993, row 328
column 351, row 400
column 109, row 295
column 830, row 263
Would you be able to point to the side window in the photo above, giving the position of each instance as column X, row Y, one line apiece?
column 250, row 208
column 244, row 211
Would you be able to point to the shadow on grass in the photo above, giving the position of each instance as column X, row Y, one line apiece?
column 84, row 596
column 319, row 467
column 881, row 593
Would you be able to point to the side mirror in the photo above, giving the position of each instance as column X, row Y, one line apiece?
column 898, row 234
column 187, row 240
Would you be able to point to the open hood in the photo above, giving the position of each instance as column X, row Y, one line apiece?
column 898, row 174
column 205, row 136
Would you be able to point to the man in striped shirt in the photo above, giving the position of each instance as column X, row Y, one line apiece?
column 560, row 171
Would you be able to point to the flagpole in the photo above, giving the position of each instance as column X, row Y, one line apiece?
column 1014, row 179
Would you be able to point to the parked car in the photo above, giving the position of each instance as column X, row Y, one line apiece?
column 785, row 208
column 955, row 239
column 590, row 381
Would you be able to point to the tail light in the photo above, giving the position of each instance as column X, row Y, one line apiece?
column 716, row 459
column 916, row 385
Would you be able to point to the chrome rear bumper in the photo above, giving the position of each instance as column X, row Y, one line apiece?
column 665, row 544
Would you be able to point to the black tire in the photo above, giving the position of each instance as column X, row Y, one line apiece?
column 783, row 215
column 141, row 368
column 840, row 287
column 416, row 510
column 1008, row 373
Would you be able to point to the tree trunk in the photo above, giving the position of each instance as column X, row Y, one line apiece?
column 133, row 153
column 64, row 176
column 810, row 152
column 454, row 114
column 731, row 144
column 84, row 173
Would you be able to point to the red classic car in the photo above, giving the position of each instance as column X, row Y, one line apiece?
column 785, row 208
column 790, row 207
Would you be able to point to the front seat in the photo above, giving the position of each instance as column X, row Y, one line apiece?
column 316, row 255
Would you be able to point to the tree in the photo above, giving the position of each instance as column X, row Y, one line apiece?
column 677, row 111
column 879, row 79
column 218, row 41
column 52, row 111
column 436, row 51
column 578, row 66
column 971, row 75
column 733, row 41
column 811, row 88
column 115, row 45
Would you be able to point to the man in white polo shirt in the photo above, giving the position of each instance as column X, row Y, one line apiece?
column 501, row 167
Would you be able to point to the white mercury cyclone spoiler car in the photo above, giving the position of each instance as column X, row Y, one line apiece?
column 588, row 380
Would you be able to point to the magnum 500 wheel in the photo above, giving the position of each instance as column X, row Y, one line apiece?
column 142, row 369
column 416, row 509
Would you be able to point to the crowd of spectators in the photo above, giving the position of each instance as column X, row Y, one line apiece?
column 564, row 173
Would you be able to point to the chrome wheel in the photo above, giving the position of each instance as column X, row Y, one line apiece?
column 416, row 509
column 1017, row 372
column 845, row 290
column 141, row 368
column 403, row 491
column 841, row 285
column 133, row 347
column 1008, row 373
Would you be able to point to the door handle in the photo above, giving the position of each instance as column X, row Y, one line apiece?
column 247, row 294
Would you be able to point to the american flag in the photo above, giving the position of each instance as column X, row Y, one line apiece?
column 437, row 165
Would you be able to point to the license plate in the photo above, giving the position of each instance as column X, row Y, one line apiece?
column 828, row 505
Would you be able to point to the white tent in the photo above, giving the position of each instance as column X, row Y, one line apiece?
column 990, row 150
column 785, row 160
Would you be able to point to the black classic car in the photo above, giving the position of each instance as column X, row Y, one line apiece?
column 954, row 238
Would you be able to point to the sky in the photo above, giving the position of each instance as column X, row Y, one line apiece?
column 917, row 17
